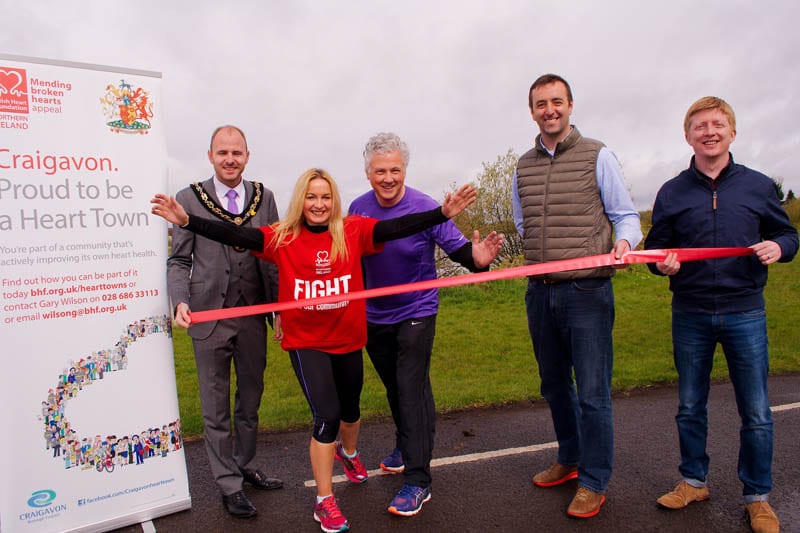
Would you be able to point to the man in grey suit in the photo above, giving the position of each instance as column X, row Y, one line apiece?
column 203, row 274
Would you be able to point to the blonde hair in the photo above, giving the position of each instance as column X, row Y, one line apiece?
column 709, row 102
column 288, row 229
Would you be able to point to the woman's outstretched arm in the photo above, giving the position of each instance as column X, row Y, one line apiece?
column 224, row 232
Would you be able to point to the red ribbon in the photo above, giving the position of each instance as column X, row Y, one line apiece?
column 580, row 263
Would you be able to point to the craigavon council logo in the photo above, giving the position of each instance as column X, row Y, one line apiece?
column 13, row 90
column 41, row 498
column 42, row 506
column 128, row 108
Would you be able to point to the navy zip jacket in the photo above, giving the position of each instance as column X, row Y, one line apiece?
column 739, row 208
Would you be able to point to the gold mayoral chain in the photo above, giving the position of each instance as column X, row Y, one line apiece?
column 215, row 209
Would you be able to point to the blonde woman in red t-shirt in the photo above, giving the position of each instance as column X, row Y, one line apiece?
column 318, row 252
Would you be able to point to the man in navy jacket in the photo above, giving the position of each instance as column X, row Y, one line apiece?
column 718, row 203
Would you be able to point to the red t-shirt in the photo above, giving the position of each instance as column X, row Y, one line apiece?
column 305, row 271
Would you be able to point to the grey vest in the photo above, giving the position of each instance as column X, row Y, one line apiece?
column 563, row 213
column 245, row 286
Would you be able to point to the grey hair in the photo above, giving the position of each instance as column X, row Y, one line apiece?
column 383, row 143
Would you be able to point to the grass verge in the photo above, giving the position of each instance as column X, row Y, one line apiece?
column 483, row 355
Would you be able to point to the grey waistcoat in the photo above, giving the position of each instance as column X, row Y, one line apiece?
column 563, row 214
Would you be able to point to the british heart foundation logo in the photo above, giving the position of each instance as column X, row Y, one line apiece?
column 13, row 90
column 129, row 109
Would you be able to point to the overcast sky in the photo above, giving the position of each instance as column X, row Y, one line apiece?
column 310, row 81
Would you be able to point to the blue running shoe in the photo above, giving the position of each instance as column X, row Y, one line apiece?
column 409, row 500
column 393, row 463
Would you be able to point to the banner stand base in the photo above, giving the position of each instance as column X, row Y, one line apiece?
column 143, row 517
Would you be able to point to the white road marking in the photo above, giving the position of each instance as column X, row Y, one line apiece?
column 471, row 457
column 785, row 407
column 457, row 459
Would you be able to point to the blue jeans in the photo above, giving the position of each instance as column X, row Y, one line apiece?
column 571, row 326
column 743, row 337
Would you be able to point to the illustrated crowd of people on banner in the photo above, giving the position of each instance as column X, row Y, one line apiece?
column 111, row 450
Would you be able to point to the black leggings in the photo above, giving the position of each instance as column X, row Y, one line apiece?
column 332, row 384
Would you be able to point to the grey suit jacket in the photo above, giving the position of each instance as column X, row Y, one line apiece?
column 199, row 269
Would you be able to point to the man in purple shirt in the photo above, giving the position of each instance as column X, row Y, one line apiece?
column 401, row 327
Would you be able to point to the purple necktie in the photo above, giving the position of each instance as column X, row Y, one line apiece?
column 231, row 195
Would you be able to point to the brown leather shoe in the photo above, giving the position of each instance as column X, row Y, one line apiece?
column 555, row 475
column 682, row 495
column 586, row 503
column 762, row 518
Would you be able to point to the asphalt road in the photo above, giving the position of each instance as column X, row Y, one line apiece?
column 493, row 491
